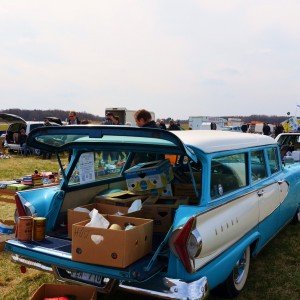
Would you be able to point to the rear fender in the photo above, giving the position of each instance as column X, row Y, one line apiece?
column 225, row 262
column 43, row 202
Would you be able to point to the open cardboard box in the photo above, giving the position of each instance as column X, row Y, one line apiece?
column 104, row 209
column 48, row 290
column 161, row 209
column 183, row 186
column 123, row 198
column 117, row 248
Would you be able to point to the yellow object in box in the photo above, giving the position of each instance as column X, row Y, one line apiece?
column 113, row 248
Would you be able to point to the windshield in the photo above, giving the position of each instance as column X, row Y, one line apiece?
column 101, row 165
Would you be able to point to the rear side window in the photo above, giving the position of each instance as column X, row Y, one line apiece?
column 228, row 173
column 273, row 160
column 258, row 165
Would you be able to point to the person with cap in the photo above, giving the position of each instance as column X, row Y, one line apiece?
column 109, row 119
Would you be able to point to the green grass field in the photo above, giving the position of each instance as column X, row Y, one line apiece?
column 274, row 273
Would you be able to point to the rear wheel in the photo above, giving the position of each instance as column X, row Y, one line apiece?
column 236, row 281
column 296, row 218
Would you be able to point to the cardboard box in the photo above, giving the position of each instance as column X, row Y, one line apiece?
column 161, row 210
column 164, row 191
column 104, row 209
column 186, row 188
column 117, row 248
column 48, row 290
column 147, row 176
column 123, row 198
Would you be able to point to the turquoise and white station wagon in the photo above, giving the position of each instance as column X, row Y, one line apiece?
column 173, row 215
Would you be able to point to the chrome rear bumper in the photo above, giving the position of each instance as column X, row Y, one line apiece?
column 169, row 288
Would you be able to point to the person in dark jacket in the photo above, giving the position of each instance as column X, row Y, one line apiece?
column 73, row 119
column 143, row 118
column 22, row 141
column 278, row 129
column 162, row 124
column 266, row 129
column 173, row 126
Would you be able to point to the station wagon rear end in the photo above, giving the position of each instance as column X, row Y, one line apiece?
column 208, row 201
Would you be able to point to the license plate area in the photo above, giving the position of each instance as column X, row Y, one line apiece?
column 87, row 277
column 83, row 277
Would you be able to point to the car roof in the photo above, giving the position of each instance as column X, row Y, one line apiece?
column 280, row 138
column 60, row 138
column 210, row 141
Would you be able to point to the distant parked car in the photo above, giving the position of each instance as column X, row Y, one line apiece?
column 16, row 123
column 289, row 143
column 232, row 128
column 214, row 198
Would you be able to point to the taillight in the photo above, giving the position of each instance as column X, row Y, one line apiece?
column 188, row 244
column 20, row 207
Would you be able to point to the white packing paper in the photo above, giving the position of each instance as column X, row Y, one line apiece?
column 97, row 220
column 135, row 206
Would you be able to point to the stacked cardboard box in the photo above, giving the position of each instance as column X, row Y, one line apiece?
column 149, row 176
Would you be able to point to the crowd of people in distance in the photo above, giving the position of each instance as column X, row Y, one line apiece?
column 142, row 117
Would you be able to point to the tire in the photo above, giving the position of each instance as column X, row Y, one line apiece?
column 236, row 281
column 295, row 219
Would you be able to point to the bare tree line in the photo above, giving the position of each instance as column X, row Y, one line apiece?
column 36, row 114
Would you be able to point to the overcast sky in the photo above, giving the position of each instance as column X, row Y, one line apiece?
column 176, row 58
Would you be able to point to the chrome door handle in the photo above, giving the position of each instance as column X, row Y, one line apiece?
column 260, row 193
